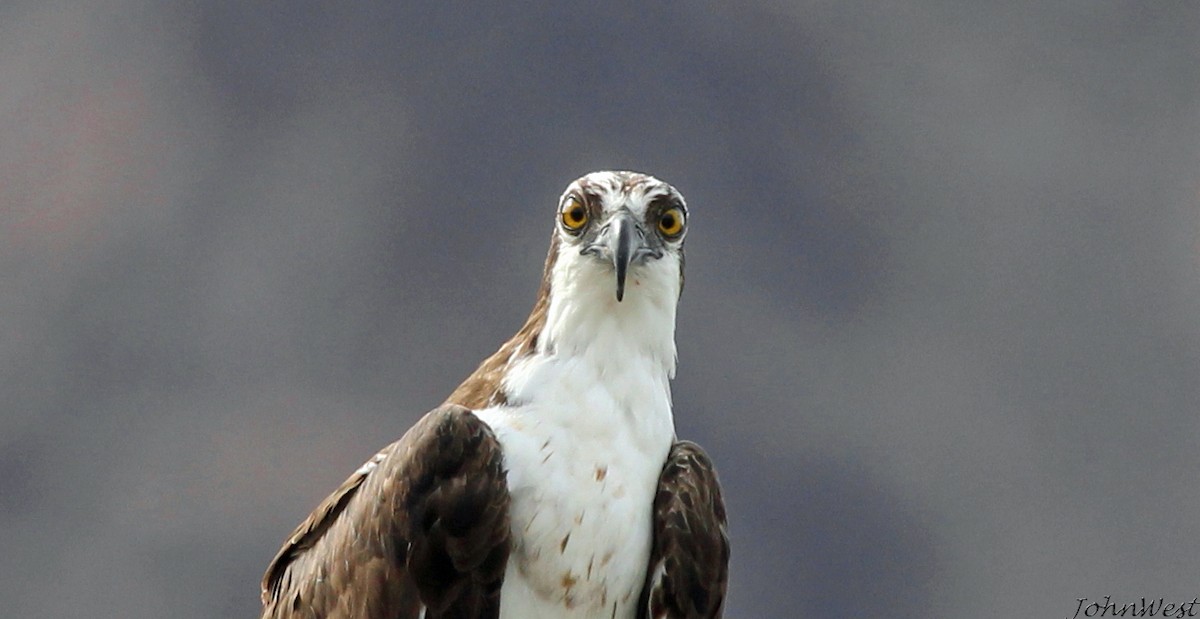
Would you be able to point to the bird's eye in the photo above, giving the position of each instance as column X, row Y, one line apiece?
column 574, row 215
column 670, row 223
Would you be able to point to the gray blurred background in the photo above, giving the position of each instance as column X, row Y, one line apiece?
column 941, row 331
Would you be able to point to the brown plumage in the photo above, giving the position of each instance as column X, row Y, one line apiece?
column 690, row 540
column 483, row 387
column 453, row 509
column 425, row 522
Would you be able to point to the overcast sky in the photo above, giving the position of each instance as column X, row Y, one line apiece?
column 941, row 331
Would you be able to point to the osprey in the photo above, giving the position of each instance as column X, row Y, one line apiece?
column 550, row 483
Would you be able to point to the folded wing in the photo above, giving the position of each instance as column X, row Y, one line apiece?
column 689, row 559
column 422, row 526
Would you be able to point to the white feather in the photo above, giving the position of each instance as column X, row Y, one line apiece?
column 585, row 434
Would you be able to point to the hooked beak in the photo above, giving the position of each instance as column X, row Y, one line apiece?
column 624, row 227
column 623, row 241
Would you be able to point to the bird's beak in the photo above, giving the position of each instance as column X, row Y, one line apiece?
column 623, row 241
column 624, row 229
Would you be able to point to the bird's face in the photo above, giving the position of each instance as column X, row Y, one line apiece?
column 626, row 224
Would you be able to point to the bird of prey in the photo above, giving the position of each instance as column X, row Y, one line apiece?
column 550, row 483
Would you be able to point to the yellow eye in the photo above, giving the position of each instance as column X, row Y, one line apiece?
column 670, row 223
column 573, row 214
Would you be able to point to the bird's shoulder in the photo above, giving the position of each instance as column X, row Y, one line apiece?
column 353, row 551
column 689, row 560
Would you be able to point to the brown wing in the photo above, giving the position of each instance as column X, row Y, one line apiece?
column 424, row 523
column 689, row 561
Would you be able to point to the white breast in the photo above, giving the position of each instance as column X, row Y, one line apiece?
column 585, row 435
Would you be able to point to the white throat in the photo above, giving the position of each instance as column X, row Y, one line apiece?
column 586, row 428
column 585, row 318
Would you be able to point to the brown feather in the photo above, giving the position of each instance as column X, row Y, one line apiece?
column 428, row 524
column 690, row 540
column 484, row 386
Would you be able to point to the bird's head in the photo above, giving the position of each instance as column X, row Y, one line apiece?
column 609, row 290
column 625, row 226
